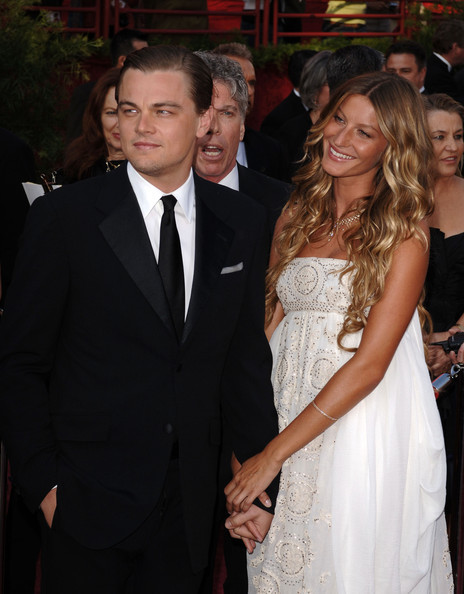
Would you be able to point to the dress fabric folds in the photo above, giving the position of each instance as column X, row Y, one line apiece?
column 360, row 508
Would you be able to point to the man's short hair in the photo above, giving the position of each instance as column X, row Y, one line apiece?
column 228, row 72
column 408, row 47
column 313, row 78
column 178, row 59
column 447, row 33
column 350, row 61
column 122, row 43
column 296, row 63
column 239, row 50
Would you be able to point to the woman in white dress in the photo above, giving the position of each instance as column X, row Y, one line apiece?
column 362, row 487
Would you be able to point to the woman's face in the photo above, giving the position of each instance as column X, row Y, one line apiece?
column 353, row 142
column 110, row 126
column 447, row 140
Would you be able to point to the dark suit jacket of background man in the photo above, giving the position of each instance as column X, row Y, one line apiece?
column 94, row 387
column 438, row 79
column 266, row 155
column 271, row 193
column 287, row 109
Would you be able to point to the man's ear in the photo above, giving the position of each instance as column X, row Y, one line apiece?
column 120, row 62
column 204, row 123
column 242, row 130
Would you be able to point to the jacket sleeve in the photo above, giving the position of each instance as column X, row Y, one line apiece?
column 248, row 401
column 29, row 334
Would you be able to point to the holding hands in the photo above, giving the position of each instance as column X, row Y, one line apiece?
column 248, row 521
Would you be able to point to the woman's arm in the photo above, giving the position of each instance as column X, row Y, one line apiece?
column 387, row 322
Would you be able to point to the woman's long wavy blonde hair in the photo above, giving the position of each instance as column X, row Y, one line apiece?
column 402, row 195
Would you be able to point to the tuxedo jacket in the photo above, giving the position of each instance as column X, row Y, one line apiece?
column 438, row 79
column 95, row 387
column 266, row 155
column 287, row 109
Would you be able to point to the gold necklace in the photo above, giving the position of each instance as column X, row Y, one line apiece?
column 110, row 165
column 344, row 222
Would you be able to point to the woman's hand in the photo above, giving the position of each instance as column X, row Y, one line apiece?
column 250, row 481
column 438, row 361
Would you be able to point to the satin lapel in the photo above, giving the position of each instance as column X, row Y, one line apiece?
column 124, row 230
column 212, row 241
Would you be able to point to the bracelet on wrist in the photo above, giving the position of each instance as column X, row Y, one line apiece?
column 322, row 412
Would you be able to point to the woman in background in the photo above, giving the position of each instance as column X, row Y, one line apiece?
column 445, row 278
column 361, row 453
column 98, row 149
column 444, row 296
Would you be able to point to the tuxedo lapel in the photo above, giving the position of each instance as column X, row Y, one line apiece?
column 125, row 231
column 212, row 241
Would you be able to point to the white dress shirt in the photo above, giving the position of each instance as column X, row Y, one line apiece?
column 443, row 60
column 149, row 199
column 241, row 154
column 231, row 179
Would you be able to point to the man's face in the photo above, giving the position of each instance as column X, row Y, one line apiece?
column 456, row 56
column 250, row 77
column 405, row 65
column 217, row 150
column 159, row 125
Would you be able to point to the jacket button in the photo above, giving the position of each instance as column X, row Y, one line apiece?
column 168, row 428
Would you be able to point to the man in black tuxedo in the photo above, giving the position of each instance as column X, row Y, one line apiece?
column 292, row 106
column 215, row 161
column 134, row 324
column 448, row 52
column 256, row 150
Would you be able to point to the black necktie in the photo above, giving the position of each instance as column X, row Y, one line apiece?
column 170, row 264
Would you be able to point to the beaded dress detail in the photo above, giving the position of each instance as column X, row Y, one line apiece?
column 360, row 508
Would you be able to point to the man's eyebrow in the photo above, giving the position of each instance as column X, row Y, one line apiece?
column 229, row 107
column 155, row 105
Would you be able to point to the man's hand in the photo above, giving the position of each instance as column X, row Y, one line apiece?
column 250, row 526
column 48, row 506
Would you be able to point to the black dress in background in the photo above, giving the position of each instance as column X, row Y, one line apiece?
column 444, row 300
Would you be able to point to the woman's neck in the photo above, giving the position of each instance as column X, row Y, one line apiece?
column 347, row 191
column 115, row 156
column 444, row 185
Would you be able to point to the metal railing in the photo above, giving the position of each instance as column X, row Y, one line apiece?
column 102, row 18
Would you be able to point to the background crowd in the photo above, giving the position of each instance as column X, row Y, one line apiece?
column 267, row 165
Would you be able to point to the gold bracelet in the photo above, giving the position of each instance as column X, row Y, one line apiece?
column 322, row 412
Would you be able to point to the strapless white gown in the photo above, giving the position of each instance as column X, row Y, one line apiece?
column 360, row 509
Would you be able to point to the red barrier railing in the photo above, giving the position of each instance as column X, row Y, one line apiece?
column 102, row 18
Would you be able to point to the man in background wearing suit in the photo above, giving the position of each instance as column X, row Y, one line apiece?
column 407, row 59
column 448, row 52
column 256, row 150
column 215, row 161
column 134, row 324
column 292, row 105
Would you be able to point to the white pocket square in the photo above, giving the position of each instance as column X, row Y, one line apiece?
column 235, row 268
